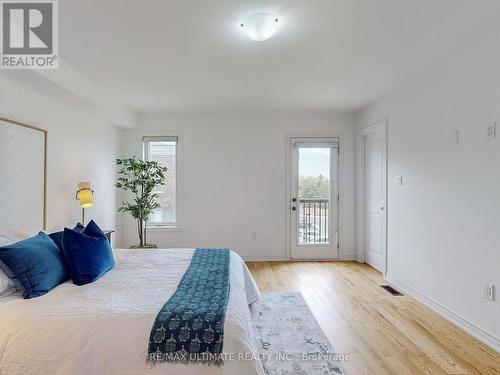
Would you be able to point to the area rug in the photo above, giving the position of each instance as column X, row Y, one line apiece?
column 290, row 341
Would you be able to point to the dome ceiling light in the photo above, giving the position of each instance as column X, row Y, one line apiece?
column 260, row 26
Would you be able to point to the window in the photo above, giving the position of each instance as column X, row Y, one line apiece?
column 164, row 151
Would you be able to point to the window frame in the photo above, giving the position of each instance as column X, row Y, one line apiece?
column 145, row 152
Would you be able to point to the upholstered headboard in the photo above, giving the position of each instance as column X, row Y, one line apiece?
column 23, row 176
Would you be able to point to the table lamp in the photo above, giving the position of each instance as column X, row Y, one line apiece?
column 85, row 195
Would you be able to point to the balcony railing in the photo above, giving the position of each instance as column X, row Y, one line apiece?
column 314, row 221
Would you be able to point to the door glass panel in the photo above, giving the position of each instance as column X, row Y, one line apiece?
column 314, row 196
column 164, row 152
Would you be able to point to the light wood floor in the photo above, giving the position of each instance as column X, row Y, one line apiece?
column 382, row 333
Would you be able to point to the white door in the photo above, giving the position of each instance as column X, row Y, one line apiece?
column 375, row 197
column 314, row 198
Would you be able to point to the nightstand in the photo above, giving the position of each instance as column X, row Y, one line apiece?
column 108, row 234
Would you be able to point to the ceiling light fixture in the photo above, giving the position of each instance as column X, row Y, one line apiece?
column 260, row 26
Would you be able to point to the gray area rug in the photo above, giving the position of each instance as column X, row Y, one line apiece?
column 289, row 339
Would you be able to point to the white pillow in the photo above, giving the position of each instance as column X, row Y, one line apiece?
column 13, row 234
column 4, row 241
column 7, row 286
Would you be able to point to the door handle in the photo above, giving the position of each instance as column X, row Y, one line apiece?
column 382, row 208
column 294, row 208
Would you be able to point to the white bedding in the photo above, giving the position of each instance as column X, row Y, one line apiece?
column 104, row 327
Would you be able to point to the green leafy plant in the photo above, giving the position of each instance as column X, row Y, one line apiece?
column 314, row 187
column 140, row 177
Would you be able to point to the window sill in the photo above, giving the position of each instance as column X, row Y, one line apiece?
column 164, row 228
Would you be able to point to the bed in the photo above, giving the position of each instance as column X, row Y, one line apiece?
column 103, row 327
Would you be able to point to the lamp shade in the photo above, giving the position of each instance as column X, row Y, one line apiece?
column 85, row 195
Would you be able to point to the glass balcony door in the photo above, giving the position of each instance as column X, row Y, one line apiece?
column 314, row 198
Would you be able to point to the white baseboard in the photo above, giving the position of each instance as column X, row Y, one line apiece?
column 263, row 258
column 282, row 259
column 347, row 257
column 480, row 334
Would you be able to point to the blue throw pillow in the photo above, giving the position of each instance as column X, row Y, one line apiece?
column 57, row 236
column 88, row 254
column 36, row 265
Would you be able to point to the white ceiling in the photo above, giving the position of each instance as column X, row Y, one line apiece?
column 190, row 55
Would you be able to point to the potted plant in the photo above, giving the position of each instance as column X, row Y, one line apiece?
column 140, row 177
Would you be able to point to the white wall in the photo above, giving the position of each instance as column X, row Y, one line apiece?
column 233, row 179
column 444, row 222
column 81, row 145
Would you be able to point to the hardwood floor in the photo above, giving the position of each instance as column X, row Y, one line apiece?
column 382, row 333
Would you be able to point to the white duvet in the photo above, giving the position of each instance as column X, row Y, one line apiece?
column 104, row 327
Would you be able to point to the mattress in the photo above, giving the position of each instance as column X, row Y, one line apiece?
column 104, row 327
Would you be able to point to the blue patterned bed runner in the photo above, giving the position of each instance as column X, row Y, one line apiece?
column 190, row 326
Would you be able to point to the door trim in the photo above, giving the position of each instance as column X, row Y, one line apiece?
column 288, row 195
column 360, row 225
